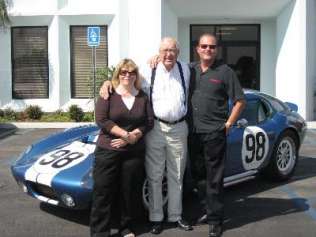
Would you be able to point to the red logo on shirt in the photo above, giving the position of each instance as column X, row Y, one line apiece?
column 216, row 81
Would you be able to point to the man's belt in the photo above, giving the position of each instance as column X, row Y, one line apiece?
column 170, row 123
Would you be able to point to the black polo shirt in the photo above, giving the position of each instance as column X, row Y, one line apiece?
column 209, row 94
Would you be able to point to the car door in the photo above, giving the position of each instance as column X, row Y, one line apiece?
column 249, row 140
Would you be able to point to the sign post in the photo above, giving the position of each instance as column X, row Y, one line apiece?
column 93, row 40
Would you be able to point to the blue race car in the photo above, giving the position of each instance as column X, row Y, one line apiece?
column 265, row 139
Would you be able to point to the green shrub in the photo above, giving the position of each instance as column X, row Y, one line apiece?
column 102, row 74
column 21, row 116
column 34, row 112
column 1, row 113
column 55, row 117
column 59, row 112
column 9, row 114
column 75, row 113
column 88, row 117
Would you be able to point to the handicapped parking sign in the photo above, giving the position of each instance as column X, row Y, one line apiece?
column 93, row 36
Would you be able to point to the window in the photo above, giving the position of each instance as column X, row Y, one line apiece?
column 238, row 46
column 81, row 60
column 255, row 112
column 276, row 104
column 29, row 55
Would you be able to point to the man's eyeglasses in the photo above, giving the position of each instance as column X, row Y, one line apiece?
column 210, row 46
column 125, row 72
column 172, row 51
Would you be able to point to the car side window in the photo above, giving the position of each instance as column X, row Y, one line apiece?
column 263, row 112
column 250, row 112
column 255, row 112
column 276, row 104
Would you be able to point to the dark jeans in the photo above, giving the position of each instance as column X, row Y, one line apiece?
column 207, row 155
column 118, row 176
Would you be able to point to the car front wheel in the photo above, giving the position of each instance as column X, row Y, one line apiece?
column 284, row 158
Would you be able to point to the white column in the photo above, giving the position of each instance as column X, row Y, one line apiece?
column 53, row 65
column 267, row 65
column 144, row 26
column 169, row 20
column 291, row 74
column 5, row 67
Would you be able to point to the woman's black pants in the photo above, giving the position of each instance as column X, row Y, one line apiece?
column 118, row 176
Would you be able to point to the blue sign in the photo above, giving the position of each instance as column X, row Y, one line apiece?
column 93, row 36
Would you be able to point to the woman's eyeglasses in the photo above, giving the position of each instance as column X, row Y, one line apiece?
column 210, row 46
column 125, row 72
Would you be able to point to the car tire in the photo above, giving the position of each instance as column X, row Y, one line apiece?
column 284, row 158
column 145, row 193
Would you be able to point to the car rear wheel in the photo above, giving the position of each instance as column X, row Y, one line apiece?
column 284, row 158
column 145, row 192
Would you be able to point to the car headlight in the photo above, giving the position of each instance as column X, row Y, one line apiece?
column 68, row 200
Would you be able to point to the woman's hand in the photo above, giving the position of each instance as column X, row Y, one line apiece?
column 118, row 143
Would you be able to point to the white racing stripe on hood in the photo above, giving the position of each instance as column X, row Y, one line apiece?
column 49, row 165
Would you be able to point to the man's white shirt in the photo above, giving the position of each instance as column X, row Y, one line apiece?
column 168, row 94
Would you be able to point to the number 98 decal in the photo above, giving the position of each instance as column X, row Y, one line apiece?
column 255, row 147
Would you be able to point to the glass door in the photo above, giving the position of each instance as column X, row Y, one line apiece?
column 238, row 46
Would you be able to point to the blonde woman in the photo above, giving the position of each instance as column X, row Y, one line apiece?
column 123, row 118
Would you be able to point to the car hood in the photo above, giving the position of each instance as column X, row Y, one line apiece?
column 65, row 156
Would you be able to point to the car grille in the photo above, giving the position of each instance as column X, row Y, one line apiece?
column 43, row 190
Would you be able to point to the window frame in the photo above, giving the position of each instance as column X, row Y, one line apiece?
column 72, row 56
column 13, row 93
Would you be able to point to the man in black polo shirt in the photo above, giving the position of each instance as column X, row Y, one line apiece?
column 212, row 85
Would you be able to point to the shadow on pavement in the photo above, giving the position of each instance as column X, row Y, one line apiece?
column 241, row 207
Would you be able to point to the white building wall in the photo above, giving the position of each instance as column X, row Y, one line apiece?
column 291, row 80
column 134, row 30
column 144, row 29
column 59, row 15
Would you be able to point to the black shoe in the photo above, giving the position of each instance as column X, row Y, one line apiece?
column 215, row 230
column 156, row 227
column 183, row 225
column 202, row 219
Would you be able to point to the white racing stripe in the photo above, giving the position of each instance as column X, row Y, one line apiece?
column 49, row 165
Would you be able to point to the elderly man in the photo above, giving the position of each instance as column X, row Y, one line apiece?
column 166, row 144
column 212, row 84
